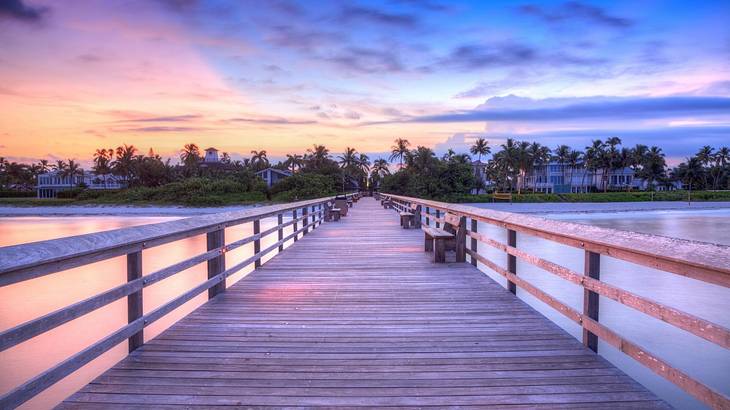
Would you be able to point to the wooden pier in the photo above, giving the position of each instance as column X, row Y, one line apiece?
column 356, row 314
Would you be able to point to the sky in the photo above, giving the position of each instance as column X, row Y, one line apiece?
column 283, row 75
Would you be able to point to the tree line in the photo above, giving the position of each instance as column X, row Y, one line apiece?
column 514, row 161
column 418, row 171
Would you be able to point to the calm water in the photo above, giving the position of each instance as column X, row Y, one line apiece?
column 703, row 360
column 27, row 300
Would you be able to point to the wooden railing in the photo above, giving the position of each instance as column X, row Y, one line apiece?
column 23, row 262
column 697, row 260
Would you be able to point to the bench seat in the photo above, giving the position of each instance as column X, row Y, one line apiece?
column 435, row 240
column 336, row 213
column 407, row 219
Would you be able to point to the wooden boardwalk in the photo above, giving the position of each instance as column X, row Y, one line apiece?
column 356, row 314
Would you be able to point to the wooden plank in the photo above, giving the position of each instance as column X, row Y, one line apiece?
column 216, row 240
column 512, row 260
column 134, row 300
column 699, row 327
column 27, row 261
column 326, row 324
column 698, row 260
column 590, row 298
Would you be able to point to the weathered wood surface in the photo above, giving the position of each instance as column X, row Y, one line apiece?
column 357, row 315
column 698, row 260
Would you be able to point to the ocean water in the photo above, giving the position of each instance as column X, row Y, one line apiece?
column 703, row 360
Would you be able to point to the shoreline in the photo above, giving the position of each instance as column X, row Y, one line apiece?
column 600, row 207
column 115, row 210
column 523, row 207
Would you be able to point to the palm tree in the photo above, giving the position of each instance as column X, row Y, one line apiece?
column 348, row 163
column 348, row 158
column 722, row 158
column 653, row 167
column 594, row 156
column 380, row 166
column 123, row 164
column 363, row 163
column 561, row 154
column 610, row 161
column 575, row 159
column 294, row 162
column 71, row 171
column 43, row 166
column 102, row 159
column 399, row 150
column 317, row 156
column 259, row 160
column 449, row 155
column 480, row 147
column 690, row 173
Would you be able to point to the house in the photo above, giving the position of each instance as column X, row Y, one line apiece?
column 480, row 173
column 560, row 178
column 211, row 156
column 50, row 184
column 273, row 175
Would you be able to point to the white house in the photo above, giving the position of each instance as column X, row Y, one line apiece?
column 211, row 156
column 273, row 175
column 51, row 183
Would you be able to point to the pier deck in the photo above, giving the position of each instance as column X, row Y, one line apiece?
column 356, row 314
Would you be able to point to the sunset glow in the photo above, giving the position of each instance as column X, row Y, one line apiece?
column 281, row 76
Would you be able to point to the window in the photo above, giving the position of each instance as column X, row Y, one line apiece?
column 557, row 179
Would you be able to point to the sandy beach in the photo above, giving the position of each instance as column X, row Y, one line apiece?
column 590, row 207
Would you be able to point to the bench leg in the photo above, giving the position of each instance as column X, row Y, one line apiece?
column 439, row 252
column 336, row 217
column 404, row 222
column 427, row 243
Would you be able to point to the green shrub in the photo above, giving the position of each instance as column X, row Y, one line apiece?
column 303, row 186
column 9, row 193
column 70, row 193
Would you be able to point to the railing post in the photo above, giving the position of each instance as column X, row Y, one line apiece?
column 314, row 217
column 512, row 260
column 590, row 298
column 327, row 214
column 294, row 218
column 417, row 216
column 134, row 301
column 473, row 241
column 461, row 240
column 438, row 214
column 257, row 242
column 428, row 214
column 280, row 233
column 305, row 220
column 216, row 239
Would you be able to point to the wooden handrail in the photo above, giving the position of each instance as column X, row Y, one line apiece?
column 23, row 262
column 698, row 260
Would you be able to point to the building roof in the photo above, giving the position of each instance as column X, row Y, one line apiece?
column 276, row 170
column 211, row 149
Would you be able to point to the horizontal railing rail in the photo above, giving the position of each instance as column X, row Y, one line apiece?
column 19, row 263
column 697, row 260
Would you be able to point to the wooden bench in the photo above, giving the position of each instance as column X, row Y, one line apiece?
column 411, row 218
column 386, row 202
column 452, row 237
column 502, row 196
column 335, row 213
column 341, row 204
column 331, row 213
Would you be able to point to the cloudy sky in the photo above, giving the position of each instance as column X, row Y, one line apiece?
column 283, row 75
